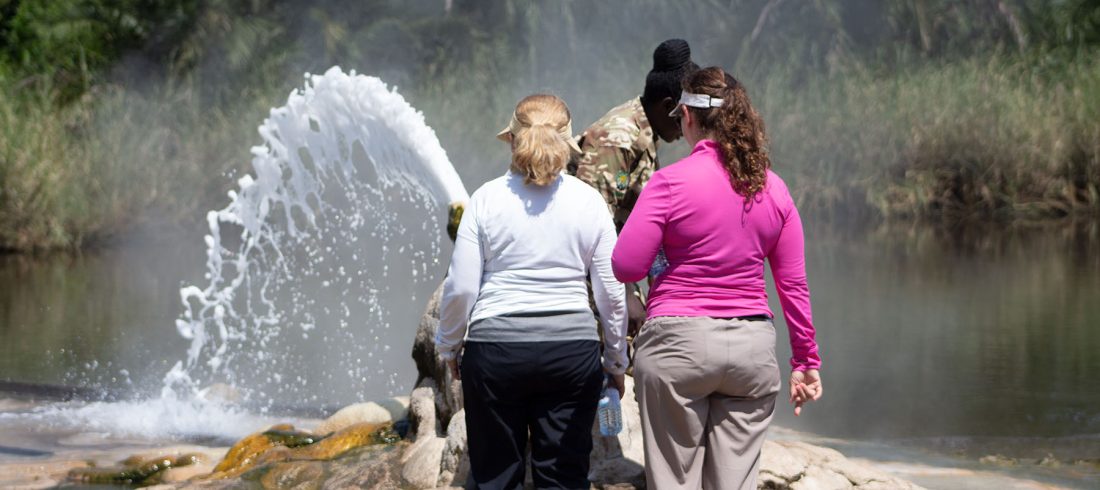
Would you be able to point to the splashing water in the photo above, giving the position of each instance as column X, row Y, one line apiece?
column 347, row 172
column 337, row 234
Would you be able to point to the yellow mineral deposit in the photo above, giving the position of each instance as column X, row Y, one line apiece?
column 454, row 217
column 132, row 470
column 283, row 443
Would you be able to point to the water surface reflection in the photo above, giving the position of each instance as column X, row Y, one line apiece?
column 969, row 332
column 926, row 333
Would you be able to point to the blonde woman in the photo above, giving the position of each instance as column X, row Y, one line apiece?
column 531, row 361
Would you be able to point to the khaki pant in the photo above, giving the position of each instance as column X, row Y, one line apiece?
column 706, row 388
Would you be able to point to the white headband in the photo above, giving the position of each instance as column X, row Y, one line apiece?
column 694, row 100
column 699, row 100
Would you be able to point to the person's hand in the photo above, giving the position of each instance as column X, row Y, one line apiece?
column 452, row 365
column 635, row 313
column 805, row 386
column 619, row 382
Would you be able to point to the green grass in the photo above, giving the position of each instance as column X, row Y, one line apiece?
column 979, row 139
column 90, row 172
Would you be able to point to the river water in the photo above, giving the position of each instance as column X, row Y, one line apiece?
column 970, row 342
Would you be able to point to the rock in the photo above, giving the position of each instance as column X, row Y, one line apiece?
column 421, row 463
column 797, row 465
column 779, row 464
column 299, row 475
column 860, row 475
column 32, row 474
column 422, row 410
column 455, row 464
column 997, row 460
column 1049, row 461
column 282, row 443
column 134, row 470
column 819, row 478
column 184, row 473
column 428, row 364
column 380, row 412
column 371, row 467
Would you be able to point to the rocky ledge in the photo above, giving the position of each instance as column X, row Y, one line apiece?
column 358, row 448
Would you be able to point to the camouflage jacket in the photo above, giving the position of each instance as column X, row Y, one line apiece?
column 619, row 155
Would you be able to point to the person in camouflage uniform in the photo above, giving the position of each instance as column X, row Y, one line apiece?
column 619, row 155
column 619, row 151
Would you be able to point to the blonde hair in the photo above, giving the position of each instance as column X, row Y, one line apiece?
column 539, row 152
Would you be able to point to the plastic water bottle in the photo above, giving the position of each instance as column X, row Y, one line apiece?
column 660, row 264
column 609, row 412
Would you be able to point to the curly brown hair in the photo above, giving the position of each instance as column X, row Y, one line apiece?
column 736, row 127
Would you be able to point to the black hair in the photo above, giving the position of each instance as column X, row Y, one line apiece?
column 671, row 63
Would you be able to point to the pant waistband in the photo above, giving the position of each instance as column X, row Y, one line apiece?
column 752, row 318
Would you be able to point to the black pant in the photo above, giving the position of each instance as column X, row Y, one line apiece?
column 549, row 388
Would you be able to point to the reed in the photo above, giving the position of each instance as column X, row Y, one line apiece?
column 93, row 170
column 978, row 139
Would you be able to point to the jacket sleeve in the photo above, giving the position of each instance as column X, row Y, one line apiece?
column 599, row 170
column 610, row 297
column 644, row 231
column 788, row 264
column 462, row 285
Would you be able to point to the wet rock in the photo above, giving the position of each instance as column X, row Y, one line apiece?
column 455, row 465
column 184, row 473
column 299, row 475
column 282, row 443
column 380, row 412
column 134, row 470
column 243, row 455
column 454, row 218
column 372, row 467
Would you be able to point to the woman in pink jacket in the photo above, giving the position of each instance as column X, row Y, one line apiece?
column 705, row 369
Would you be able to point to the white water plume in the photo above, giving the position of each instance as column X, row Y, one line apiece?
column 343, row 216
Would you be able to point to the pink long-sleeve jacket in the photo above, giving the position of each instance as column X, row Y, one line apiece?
column 716, row 244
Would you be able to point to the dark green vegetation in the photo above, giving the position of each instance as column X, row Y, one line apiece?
column 122, row 114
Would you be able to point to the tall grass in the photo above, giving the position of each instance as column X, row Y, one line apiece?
column 38, row 203
column 994, row 138
column 93, row 170
column 976, row 139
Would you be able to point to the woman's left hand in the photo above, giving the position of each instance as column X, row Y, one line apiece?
column 805, row 386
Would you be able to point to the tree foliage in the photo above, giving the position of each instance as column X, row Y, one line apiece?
column 74, row 44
